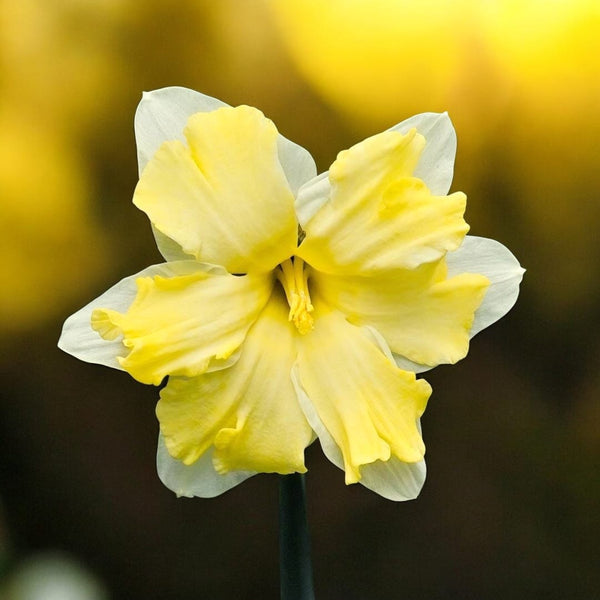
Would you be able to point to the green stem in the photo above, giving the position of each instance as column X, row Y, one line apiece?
column 294, row 544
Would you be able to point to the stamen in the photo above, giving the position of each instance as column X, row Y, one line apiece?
column 294, row 279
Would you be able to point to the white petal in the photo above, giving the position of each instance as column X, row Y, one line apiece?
column 169, row 248
column 199, row 479
column 298, row 165
column 499, row 265
column 490, row 258
column 435, row 168
column 393, row 479
column 162, row 115
column 311, row 196
column 409, row 365
column 80, row 340
column 436, row 165
column 330, row 448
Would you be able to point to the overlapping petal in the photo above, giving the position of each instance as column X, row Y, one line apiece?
column 379, row 216
column 366, row 403
column 499, row 265
column 186, row 324
column 423, row 315
column 249, row 412
column 494, row 261
column 392, row 479
column 199, row 479
column 162, row 116
column 80, row 340
column 435, row 165
column 224, row 197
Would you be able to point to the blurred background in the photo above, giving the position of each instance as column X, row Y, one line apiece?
column 511, row 504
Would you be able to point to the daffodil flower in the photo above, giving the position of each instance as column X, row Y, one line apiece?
column 293, row 306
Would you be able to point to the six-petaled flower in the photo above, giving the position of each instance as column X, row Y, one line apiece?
column 293, row 306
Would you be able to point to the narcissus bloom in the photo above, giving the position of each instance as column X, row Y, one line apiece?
column 293, row 306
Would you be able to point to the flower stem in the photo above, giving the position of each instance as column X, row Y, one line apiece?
column 294, row 544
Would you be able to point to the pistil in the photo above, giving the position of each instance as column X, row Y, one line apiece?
column 294, row 279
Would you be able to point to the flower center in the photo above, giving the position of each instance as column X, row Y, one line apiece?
column 293, row 278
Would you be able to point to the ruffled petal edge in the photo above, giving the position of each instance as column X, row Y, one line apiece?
column 392, row 479
column 81, row 341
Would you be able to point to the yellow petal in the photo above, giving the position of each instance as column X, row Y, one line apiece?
column 368, row 405
column 186, row 324
column 249, row 411
column 422, row 315
column 224, row 198
column 379, row 217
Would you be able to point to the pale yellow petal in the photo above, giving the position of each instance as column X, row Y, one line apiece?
column 368, row 405
column 185, row 325
column 379, row 217
column 248, row 412
column 224, row 197
column 422, row 315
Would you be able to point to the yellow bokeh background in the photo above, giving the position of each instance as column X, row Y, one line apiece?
column 509, row 509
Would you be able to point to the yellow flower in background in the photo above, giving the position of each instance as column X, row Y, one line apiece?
column 49, row 237
column 57, row 62
column 293, row 305
column 372, row 58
